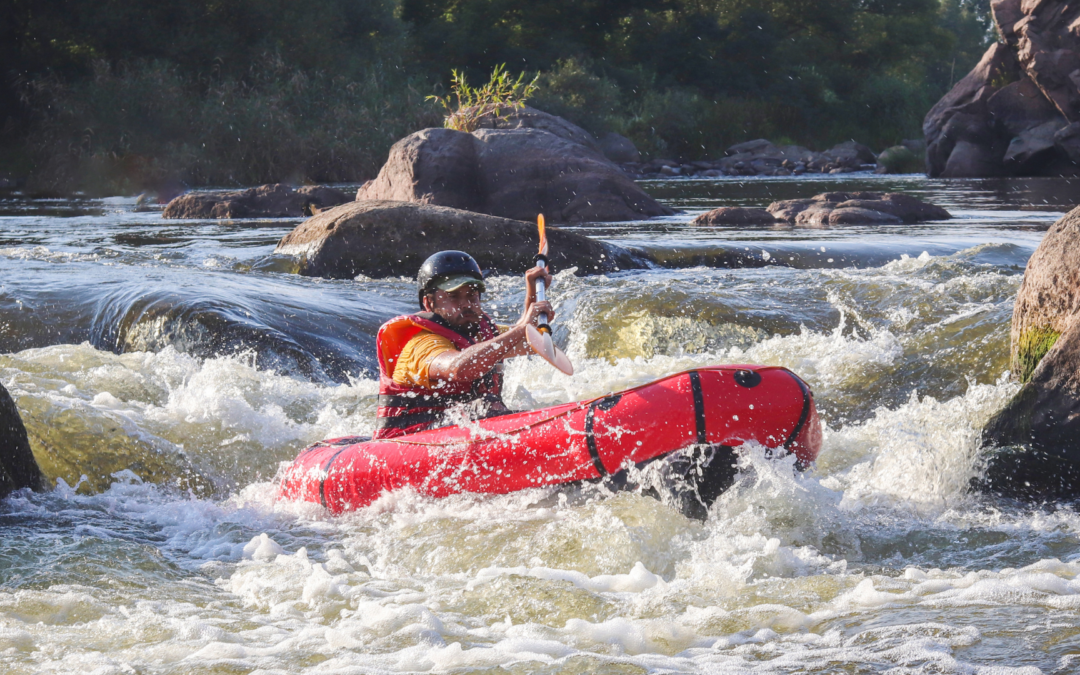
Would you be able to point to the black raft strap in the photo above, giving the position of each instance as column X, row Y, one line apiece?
column 804, row 415
column 699, row 407
column 326, row 474
column 590, row 439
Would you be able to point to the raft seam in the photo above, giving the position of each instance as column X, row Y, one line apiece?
column 699, row 407
column 590, row 439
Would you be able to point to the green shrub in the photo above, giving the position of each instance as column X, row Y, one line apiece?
column 466, row 105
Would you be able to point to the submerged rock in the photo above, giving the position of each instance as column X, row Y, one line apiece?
column 18, row 468
column 380, row 238
column 1038, row 432
column 514, row 167
column 266, row 201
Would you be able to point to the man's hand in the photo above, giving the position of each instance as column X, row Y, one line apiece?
column 535, row 273
column 534, row 310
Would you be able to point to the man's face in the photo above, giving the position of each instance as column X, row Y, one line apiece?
column 460, row 307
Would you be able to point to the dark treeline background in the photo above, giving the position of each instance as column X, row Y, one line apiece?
column 126, row 95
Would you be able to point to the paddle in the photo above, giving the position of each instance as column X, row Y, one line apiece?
column 540, row 337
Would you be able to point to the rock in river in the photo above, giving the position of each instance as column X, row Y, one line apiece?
column 1036, row 437
column 380, row 238
column 265, row 201
column 18, row 468
column 735, row 215
column 847, row 208
column 528, row 163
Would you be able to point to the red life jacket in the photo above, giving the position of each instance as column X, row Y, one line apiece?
column 403, row 408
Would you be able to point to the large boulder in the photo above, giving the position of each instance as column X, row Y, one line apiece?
column 962, row 116
column 1046, row 37
column 1049, row 295
column 533, row 163
column 847, row 208
column 266, row 201
column 18, row 468
column 383, row 238
column 1000, row 118
column 1037, row 434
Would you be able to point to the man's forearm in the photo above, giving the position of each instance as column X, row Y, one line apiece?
column 474, row 362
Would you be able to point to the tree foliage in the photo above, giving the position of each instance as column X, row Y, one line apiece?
column 680, row 77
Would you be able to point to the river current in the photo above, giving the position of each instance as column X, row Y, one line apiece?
column 166, row 369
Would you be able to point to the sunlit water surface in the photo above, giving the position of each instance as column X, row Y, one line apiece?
column 166, row 369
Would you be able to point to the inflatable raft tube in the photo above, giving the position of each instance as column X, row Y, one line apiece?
column 720, row 407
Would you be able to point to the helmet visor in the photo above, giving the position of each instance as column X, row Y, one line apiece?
column 457, row 281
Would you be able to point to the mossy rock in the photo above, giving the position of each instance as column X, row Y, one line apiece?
column 899, row 159
column 1032, row 346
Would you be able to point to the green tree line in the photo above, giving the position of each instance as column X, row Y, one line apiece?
column 121, row 95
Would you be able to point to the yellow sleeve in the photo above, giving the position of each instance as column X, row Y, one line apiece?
column 412, row 366
column 501, row 328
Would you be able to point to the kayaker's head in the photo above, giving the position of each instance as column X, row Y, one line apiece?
column 450, row 284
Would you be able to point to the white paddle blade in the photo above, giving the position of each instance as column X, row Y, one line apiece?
column 542, row 345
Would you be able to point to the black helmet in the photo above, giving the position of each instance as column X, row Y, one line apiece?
column 448, row 270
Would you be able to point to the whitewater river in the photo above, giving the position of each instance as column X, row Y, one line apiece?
column 166, row 369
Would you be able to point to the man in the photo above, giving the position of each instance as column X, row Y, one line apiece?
column 451, row 353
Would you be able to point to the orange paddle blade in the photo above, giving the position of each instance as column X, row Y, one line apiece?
column 543, row 235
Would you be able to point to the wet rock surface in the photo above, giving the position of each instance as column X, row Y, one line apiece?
column 1036, row 437
column 1004, row 116
column 266, row 201
column 513, row 167
column 380, row 238
column 18, row 468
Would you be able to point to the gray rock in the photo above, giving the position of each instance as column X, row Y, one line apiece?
column 962, row 116
column 730, row 215
column 1068, row 142
column 18, row 468
column 1033, row 439
column 1019, row 106
column 266, row 201
column 433, row 166
column 392, row 238
column 620, row 149
column 856, row 208
column 759, row 146
column 531, row 118
column 513, row 172
column 1020, row 85
column 973, row 160
column 1034, row 150
column 851, row 153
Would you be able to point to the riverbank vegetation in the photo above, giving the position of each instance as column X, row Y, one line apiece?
column 131, row 94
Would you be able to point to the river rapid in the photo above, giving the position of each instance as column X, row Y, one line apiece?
column 166, row 370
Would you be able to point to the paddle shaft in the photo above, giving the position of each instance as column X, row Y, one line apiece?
column 542, row 319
